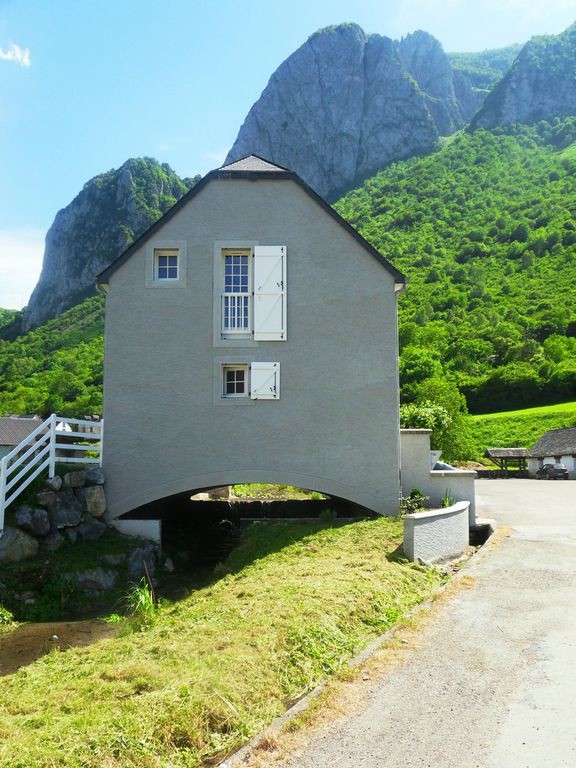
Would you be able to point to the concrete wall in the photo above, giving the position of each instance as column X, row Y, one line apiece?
column 141, row 529
column 417, row 473
column 335, row 427
column 440, row 534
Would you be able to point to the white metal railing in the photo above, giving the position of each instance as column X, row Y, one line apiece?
column 57, row 438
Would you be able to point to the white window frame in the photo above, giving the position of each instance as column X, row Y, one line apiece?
column 235, row 368
column 166, row 253
column 156, row 248
column 230, row 298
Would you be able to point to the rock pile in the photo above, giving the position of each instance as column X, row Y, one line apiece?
column 70, row 508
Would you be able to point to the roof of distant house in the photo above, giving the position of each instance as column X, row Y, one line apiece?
column 506, row 453
column 555, row 442
column 14, row 429
column 253, row 168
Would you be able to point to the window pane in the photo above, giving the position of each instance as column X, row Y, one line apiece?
column 166, row 263
column 236, row 273
column 234, row 382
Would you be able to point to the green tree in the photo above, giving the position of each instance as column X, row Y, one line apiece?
column 454, row 438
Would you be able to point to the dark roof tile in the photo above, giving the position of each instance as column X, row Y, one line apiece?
column 252, row 163
column 14, row 429
column 555, row 442
column 506, row 453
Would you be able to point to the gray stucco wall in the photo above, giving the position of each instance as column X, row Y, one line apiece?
column 335, row 427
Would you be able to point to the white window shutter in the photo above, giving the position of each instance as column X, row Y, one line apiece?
column 270, row 293
column 265, row 381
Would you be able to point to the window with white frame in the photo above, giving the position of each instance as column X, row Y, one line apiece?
column 236, row 291
column 259, row 381
column 234, row 381
column 253, row 298
column 166, row 263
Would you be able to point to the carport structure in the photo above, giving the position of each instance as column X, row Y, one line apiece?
column 509, row 458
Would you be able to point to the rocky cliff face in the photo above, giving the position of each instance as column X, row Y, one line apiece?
column 111, row 211
column 541, row 84
column 425, row 60
column 345, row 104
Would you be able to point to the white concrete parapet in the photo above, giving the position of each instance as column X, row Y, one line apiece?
column 435, row 484
column 437, row 534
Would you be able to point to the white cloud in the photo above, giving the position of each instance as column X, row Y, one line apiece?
column 21, row 252
column 16, row 54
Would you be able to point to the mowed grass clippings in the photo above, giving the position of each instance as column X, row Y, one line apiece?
column 294, row 602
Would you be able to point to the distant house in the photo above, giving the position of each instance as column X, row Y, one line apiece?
column 14, row 429
column 251, row 336
column 555, row 446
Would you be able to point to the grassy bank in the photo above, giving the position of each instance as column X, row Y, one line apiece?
column 293, row 602
column 521, row 428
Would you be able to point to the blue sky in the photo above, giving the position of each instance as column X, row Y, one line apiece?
column 87, row 84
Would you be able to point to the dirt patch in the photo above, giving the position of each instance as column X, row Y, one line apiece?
column 29, row 642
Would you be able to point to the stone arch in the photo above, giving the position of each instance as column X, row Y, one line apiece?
column 196, row 482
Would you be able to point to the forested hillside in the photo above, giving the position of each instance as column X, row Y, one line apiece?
column 485, row 230
column 58, row 367
column 484, row 68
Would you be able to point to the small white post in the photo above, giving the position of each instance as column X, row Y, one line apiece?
column 101, row 441
column 3, row 471
column 52, row 457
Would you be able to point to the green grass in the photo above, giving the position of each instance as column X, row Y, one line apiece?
column 291, row 605
column 521, row 428
column 266, row 491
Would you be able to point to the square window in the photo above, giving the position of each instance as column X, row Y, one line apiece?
column 235, row 381
column 166, row 263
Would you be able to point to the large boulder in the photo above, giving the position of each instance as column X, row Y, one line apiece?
column 92, row 580
column 33, row 520
column 94, row 475
column 66, row 511
column 94, row 500
column 90, row 528
column 140, row 556
column 16, row 545
column 75, row 479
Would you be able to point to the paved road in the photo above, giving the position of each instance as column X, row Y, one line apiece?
column 493, row 683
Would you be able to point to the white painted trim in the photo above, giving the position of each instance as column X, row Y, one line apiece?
column 150, row 280
column 242, row 340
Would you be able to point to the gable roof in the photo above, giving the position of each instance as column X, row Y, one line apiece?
column 253, row 168
column 14, row 429
column 555, row 442
column 506, row 453
column 253, row 163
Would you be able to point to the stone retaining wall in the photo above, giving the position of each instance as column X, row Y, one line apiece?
column 69, row 509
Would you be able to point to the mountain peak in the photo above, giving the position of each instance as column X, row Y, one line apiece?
column 345, row 104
